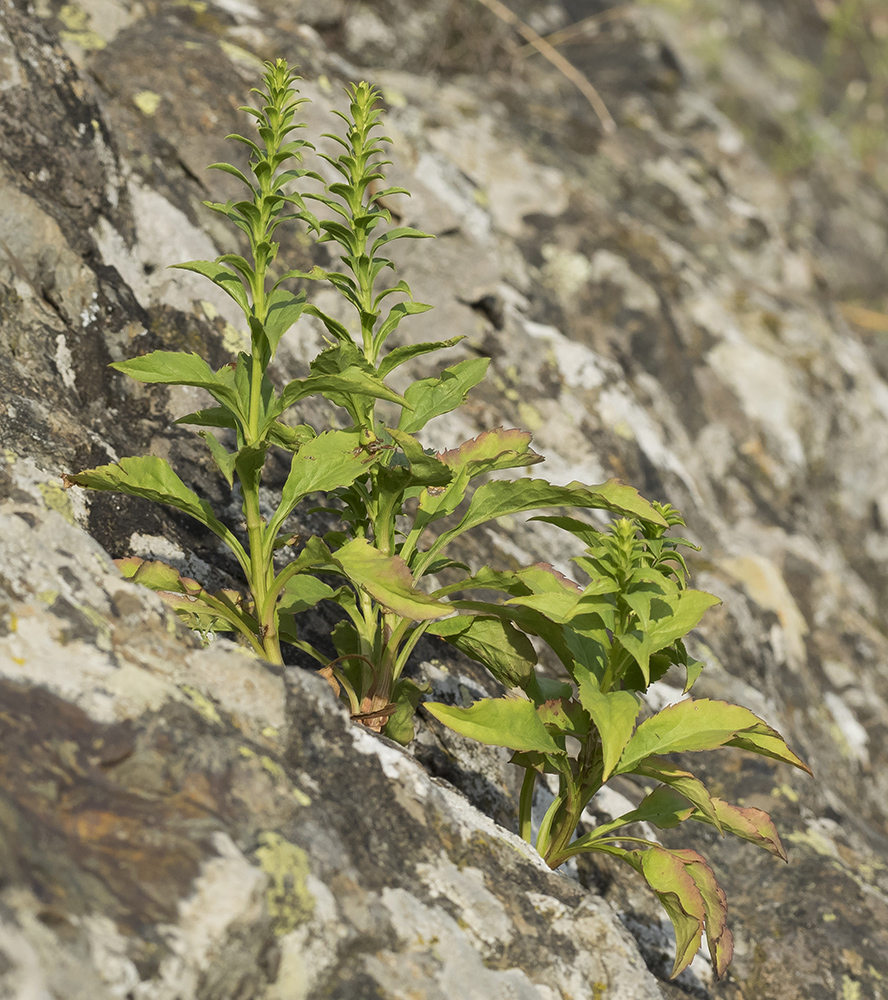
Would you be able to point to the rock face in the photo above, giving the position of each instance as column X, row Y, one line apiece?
column 659, row 304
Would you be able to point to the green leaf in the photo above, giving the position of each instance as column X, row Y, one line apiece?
column 527, row 619
column 684, row 611
column 767, row 742
column 564, row 715
column 614, row 714
column 283, row 311
column 331, row 460
column 249, row 461
column 395, row 315
column 430, row 397
column 501, row 722
column 290, row 438
column 507, row 653
column 399, row 233
column 223, row 458
column 152, row 478
column 213, row 416
column 227, row 280
column 746, row 822
column 401, row 355
column 425, row 469
column 156, row 575
column 405, row 696
column 663, row 807
column 619, row 498
column 688, row 725
column 387, row 580
column 500, row 497
column 198, row 609
column 684, row 783
column 302, row 592
column 178, row 368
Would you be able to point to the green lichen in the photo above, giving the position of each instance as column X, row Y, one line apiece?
column 55, row 498
column 288, row 899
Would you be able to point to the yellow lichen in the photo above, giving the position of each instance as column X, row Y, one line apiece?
column 273, row 768
column 288, row 899
column 850, row 989
column 203, row 704
column 147, row 102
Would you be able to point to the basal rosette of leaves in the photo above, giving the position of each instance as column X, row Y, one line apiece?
column 400, row 506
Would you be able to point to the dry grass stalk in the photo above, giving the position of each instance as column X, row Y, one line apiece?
column 547, row 51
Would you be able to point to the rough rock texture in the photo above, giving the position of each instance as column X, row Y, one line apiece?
column 659, row 304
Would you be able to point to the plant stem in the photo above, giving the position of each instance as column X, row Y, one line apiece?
column 525, row 805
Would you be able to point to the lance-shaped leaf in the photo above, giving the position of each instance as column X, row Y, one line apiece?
column 227, row 280
column 331, row 460
column 396, row 314
column 685, row 611
column 688, row 725
column 283, row 311
column 499, row 498
column 614, row 714
column 747, row 822
column 767, row 742
column 501, row 722
column 507, row 653
column 212, row 416
column 388, row 580
column 401, row 355
column 178, row 368
column 684, row 783
column 223, row 458
column 152, row 478
column 405, row 697
column 563, row 715
column 676, row 888
column 528, row 620
column 430, row 397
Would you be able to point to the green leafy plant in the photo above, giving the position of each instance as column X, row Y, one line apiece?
column 615, row 637
column 400, row 508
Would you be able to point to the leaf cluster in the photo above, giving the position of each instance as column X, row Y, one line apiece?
column 615, row 637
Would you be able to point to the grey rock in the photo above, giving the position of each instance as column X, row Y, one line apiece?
column 200, row 824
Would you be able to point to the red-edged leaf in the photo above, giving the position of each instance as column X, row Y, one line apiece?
column 676, row 888
column 718, row 934
column 747, row 822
